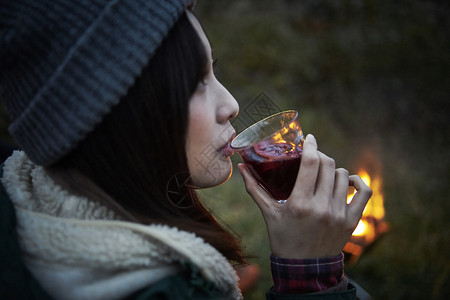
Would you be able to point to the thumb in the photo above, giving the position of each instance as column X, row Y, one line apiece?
column 261, row 197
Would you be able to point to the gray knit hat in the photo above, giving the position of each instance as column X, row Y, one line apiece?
column 65, row 63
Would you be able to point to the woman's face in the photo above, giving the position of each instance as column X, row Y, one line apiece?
column 209, row 131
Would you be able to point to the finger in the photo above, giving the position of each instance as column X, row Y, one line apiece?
column 341, row 183
column 309, row 168
column 325, row 178
column 259, row 195
column 361, row 197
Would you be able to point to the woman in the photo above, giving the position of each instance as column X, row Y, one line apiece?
column 113, row 104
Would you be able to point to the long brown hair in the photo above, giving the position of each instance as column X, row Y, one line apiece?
column 138, row 151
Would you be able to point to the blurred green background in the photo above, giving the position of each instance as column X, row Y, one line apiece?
column 371, row 80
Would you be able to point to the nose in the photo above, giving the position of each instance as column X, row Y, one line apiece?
column 228, row 108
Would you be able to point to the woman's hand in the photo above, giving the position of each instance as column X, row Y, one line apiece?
column 316, row 220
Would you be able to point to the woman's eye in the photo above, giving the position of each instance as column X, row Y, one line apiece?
column 204, row 80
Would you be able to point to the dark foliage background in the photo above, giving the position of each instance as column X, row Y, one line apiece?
column 371, row 80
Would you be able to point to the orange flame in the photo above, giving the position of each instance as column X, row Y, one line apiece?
column 372, row 223
column 374, row 208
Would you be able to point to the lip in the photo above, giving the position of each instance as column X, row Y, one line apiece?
column 226, row 149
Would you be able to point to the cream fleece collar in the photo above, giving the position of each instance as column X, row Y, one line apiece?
column 79, row 249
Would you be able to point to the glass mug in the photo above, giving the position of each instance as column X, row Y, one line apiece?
column 272, row 150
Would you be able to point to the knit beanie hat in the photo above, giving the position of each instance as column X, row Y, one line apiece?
column 65, row 63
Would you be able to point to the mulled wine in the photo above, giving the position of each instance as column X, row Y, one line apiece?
column 275, row 167
column 272, row 150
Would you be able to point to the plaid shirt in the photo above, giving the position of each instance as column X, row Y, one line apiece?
column 295, row 276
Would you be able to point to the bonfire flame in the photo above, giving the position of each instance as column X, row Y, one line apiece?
column 372, row 224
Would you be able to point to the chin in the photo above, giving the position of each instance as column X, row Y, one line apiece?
column 213, row 176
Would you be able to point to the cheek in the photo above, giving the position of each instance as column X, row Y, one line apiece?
column 198, row 135
column 201, row 149
column 201, row 124
column 198, row 123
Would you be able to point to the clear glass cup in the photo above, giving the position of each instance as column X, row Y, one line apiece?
column 272, row 150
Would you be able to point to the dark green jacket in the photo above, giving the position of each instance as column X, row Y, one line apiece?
column 16, row 282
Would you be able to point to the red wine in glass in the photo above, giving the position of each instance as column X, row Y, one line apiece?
column 275, row 166
column 272, row 150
